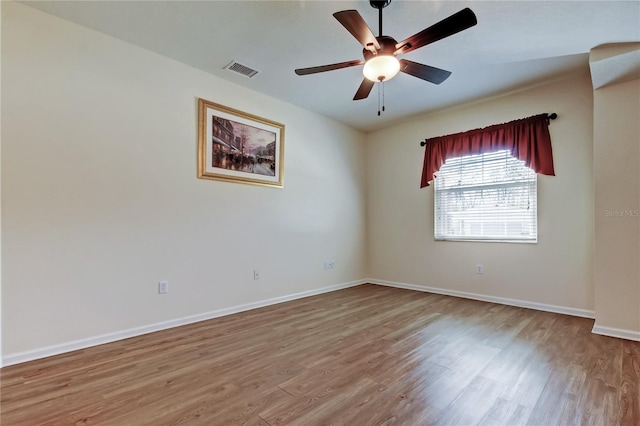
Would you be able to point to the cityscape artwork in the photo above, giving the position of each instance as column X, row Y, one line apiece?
column 239, row 147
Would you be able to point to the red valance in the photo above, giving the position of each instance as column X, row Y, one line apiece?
column 528, row 139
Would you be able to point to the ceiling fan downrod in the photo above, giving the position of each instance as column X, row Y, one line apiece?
column 379, row 5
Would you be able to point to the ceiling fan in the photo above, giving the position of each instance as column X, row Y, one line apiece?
column 380, row 53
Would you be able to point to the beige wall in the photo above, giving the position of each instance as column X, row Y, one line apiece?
column 555, row 271
column 0, row 184
column 617, row 202
column 100, row 198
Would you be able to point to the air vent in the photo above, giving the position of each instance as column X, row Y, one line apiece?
column 244, row 70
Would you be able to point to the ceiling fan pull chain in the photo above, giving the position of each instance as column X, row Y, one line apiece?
column 382, row 95
column 378, row 100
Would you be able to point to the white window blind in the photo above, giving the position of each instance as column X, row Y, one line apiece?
column 486, row 197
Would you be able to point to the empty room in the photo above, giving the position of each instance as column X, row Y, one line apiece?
column 320, row 212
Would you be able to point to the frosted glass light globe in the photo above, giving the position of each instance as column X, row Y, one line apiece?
column 381, row 68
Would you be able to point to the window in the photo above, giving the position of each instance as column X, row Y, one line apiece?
column 486, row 197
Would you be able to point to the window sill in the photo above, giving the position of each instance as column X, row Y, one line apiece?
column 479, row 240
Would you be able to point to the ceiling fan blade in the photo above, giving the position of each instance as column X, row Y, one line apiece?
column 453, row 24
column 425, row 72
column 353, row 22
column 331, row 67
column 364, row 89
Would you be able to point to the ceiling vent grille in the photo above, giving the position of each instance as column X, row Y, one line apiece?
column 244, row 70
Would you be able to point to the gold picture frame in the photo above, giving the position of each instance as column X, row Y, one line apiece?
column 235, row 146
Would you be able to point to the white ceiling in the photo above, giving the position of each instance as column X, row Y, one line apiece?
column 515, row 44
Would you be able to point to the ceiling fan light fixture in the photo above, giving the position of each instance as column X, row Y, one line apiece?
column 381, row 68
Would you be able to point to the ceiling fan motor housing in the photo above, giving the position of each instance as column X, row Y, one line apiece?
column 387, row 47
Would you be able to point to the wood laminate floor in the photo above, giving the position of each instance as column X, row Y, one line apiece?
column 367, row 355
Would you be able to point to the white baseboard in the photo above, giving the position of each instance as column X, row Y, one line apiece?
column 616, row 332
column 31, row 355
column 21, row 357
column 484, row 298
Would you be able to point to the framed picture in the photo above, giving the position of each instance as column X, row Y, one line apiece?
column 235, row 146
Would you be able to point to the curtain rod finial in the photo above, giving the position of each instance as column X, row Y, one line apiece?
column 423, row 143
column 553, row 116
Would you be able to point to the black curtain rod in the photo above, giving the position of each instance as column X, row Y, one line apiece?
column 551, row 116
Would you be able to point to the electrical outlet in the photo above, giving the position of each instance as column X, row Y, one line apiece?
column 163, row 287
column 479, row 268
column 256, row 274
column 329, row 264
